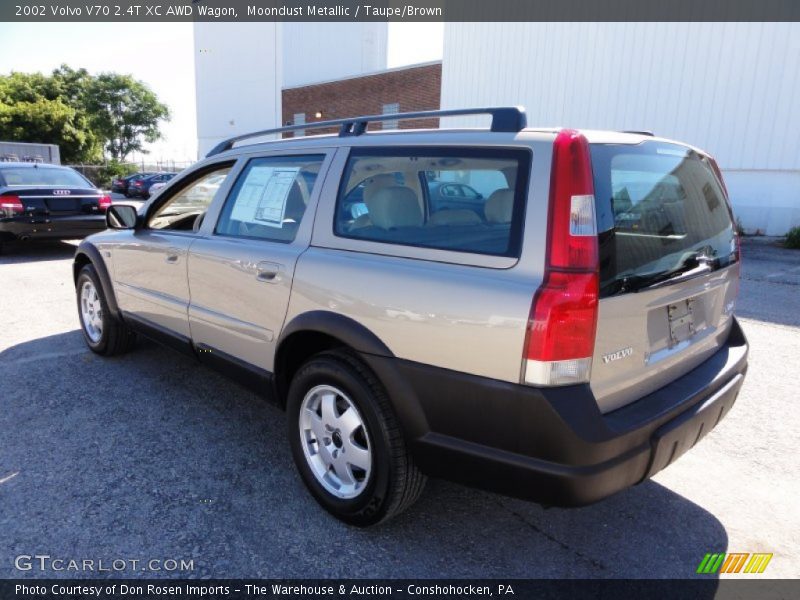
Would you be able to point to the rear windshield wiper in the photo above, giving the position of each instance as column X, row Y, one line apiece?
column 695, row 265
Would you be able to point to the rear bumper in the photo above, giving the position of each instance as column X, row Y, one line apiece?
column 553, row 445
column 52, row 227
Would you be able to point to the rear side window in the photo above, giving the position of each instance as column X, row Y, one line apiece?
column 464, row 200
column 657, row 205
column 270, row 197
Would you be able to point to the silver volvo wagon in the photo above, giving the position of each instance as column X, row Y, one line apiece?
column 546, row 313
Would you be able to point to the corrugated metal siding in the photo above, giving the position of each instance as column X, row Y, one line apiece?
column 732, row 89
column 316, row 52
column 238, row 75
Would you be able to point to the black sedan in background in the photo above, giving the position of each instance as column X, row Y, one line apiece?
column 141, row 187
column 121, row 185
column 39, row 201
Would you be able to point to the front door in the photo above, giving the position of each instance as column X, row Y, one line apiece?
column 150, row 265
column 241, row 268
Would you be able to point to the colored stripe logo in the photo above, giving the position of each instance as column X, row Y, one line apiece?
column 734, row 562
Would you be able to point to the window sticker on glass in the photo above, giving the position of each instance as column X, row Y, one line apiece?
column 263, row 197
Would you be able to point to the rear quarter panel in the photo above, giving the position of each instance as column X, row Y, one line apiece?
column 452, row 310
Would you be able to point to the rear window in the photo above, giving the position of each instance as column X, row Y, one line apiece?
column 657, row 205
column 464, row 200
column 46, row 176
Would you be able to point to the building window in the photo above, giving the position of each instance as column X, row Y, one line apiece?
column 299, row 119
column 391, row 109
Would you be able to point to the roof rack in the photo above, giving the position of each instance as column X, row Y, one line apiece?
column 509, row 119
column 639, row 132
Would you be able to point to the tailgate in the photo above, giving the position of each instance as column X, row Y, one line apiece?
column 669, row 267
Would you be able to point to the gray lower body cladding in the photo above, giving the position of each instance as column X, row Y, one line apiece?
column 553, row 445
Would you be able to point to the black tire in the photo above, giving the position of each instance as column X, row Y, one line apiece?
column 395, row 483
column 116, row 337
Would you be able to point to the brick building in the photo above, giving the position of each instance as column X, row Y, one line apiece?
column 403, row 89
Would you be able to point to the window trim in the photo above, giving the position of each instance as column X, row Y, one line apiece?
column 523, row 155
column 190, row 178
column 323, row 156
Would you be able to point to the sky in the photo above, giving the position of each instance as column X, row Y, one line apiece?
column 162, row 56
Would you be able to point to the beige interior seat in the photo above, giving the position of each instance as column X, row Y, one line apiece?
column 454, row 217
column 395, row 206
column 500, row 206
column 371, row 187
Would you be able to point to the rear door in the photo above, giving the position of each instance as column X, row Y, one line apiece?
column 241, row 268
column 668, row 267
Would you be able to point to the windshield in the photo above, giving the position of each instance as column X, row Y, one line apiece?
column 659, row 207
column 45, row 176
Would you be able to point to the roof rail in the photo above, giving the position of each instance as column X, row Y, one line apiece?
column 509, row 119
column 639, row 132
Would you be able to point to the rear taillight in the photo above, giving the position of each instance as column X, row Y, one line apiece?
column 563, row 318
column 11, row 205
column 104, row 202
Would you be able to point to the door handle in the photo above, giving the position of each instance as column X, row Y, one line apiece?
column 172, row 257
column 269, row 272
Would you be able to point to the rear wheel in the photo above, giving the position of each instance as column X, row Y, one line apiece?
column 347, row 443
column 103, row 333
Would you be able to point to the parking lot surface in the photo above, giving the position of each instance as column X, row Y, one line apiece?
column 151, row 456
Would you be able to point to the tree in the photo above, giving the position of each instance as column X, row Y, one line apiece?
column 83, row 114
column 32, row 111
column 124, row 112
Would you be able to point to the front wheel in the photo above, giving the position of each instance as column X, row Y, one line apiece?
column 347, row 443
column 102, row 332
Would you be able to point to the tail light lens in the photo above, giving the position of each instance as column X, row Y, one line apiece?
column 104, row 202
column 563, row 318
column 11, row 205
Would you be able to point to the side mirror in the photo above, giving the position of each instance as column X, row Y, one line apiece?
column 121, row 216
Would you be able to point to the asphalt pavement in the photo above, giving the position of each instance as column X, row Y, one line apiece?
column 152, row 456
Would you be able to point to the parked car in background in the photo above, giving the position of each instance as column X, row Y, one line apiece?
column 121, row 184
column 537, row 344
column 448, row 195
column 140, row 188
column 157, row 186
column 41, row 201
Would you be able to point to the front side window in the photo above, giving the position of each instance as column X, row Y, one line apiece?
column 184, row 210
column 464, row 200
column 270, row 198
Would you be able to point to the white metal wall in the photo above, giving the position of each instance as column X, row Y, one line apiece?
column 732, row 89
column 314, row 52
column 240, row 68
column 238, row 74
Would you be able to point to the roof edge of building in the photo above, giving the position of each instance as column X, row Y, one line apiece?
column 362, row 75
